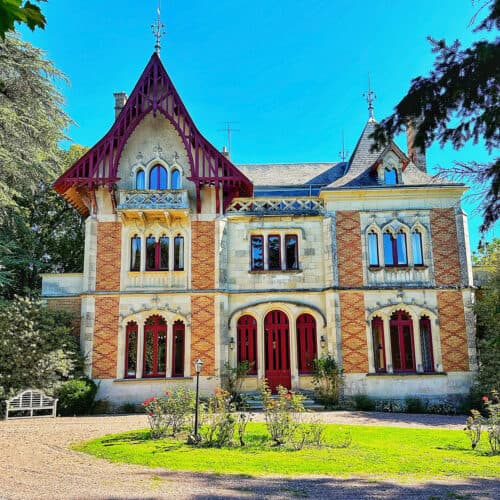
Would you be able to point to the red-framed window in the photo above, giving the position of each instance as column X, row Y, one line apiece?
column 426, row 344
column 373, row 259
column 306, row 342
column 131, row 333
column 179, row 253
column 291, row 252
column 257, row 253
column 402, row 345
column 157, row 253
column 179, row 333
column 135, row 253
column 395, row 249
column 378, row 344
column 274, row 252
column 418, row 254
column 247, row 341
column 158, row 177
column 155, row 347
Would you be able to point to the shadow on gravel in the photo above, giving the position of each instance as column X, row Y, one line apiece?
column 248, row 487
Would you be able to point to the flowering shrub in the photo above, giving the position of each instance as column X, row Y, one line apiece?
column 327, row 380
column 169, row 413
column 218, row 420
column 476, row 422
column 282, row 413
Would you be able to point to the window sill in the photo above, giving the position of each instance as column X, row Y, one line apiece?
column 406, row 374
column 151, row 273
column 275, row 271
column 149, row 379
column 397, row 268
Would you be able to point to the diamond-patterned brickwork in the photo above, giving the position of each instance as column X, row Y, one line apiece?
column 203, row 255
column 105, row 337
column 349, row 249
column 203, row 331
column 108, row 256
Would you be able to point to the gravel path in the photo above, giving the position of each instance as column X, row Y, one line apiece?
column 35, row 462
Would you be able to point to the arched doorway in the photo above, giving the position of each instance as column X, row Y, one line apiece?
column 277, row 349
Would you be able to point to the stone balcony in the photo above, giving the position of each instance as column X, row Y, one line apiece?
column 304, row 205
column 153, row 200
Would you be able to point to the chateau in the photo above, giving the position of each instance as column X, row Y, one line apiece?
column 189, row 256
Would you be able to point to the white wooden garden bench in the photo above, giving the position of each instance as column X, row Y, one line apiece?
column 32, row 401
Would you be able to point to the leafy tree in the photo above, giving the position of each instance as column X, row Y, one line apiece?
column 459, row 101
column 487, row 254
column 41, row 233
column 32, row 121
column 17, row 11
column 37, row 348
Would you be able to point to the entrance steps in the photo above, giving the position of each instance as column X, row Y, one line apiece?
column 254, row 401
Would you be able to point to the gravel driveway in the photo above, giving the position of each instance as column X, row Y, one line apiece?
column 35, row 462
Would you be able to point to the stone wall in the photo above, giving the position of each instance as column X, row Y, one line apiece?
column 453, row 331
column 203, row 255
column 350, row 262
column 108, row 256
column 203, row 332
column 353, row 327
column 445, row 247
column 105, row 345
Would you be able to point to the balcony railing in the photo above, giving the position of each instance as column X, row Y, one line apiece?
column 305, row 205
column 151, row 199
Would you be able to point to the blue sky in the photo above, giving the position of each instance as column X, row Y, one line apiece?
column 289, row 74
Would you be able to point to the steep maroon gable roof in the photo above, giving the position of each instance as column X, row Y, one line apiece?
column 153, row 93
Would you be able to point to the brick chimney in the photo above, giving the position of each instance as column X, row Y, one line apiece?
column 120, row 100
column 416, row 154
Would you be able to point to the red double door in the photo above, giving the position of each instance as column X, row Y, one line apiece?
column 277, row 348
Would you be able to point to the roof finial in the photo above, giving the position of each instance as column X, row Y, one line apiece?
column 158, row 29
column 370, row 96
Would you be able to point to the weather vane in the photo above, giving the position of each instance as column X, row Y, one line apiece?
column 158, row 29
column 370, row 97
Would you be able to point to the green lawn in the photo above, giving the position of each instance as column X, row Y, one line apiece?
column 387, row 452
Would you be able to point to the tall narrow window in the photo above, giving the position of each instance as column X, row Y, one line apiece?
column 155, row 347
column 291, row 252
column 306, row 342
column 178, row 349
column 401, row 331
column 390, row 176
column 402, row 256
column 257, row 253
column 164, row 248
column 158, row 177
column 151, row 253
column 131, row 349
column 418, row 257
column 373, row 249
column 247, row 342
column 179, row 253
column 140, row 179
column 135, row 253
column 389, row 249
column 395, row 249
column 175, row 180
column 273, row 251
column 426, row 344
column 378, row 344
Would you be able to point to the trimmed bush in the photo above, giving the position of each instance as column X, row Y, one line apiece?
column 76, row 397
column 415, row 405
column 364, row 402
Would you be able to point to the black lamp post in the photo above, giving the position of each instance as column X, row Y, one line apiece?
column 197, row 366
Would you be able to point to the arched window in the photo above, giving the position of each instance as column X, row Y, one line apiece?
column 247, row 342
column 426, row 344
column 395, row 249
column 378, row 344
column 273, row 251
column 373, row 259
column 158, row 177
column 178, row 349
column 131, row 333
column 151, row 253
column 179, row 253
column 418, row 255
column 135, row 253
column 175, row 180
column 164, row 249
column 306, row 342
column 140, row 179
column 155, row 347
column 403, row 351
column 390, row 176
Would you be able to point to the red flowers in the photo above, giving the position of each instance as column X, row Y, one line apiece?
column 150, row 400
column 217, row 391
column 167, row 393
column 485, row 398
column 288, row 396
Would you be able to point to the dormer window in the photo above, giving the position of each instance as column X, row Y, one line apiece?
column 175, row 180
column 140, row 179
column 158, row 177
column 390, row 176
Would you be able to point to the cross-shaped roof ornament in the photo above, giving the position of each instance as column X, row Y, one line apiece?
column 158, row 29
